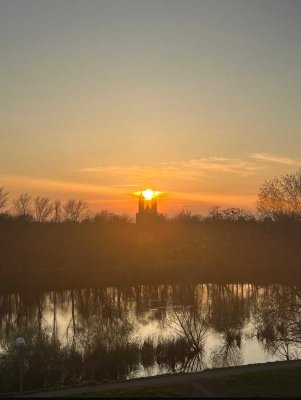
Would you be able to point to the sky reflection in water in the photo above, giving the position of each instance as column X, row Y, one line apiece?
column 236, row 324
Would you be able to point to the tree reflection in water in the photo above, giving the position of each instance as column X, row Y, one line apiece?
column 278, row 321
column 190, row 325
column 90, row 335
column 230, row 309
column 228, row 353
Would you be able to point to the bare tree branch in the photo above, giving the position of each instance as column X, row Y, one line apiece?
column 3, row 199
column 57, row 211
column 74, row 210
column 22, row 205
column 42, row 208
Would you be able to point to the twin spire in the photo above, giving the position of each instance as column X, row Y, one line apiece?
column 147, row 206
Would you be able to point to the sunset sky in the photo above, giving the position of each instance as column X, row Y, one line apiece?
column 101, row 98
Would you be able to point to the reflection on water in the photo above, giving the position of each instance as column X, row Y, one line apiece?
column 116, row 333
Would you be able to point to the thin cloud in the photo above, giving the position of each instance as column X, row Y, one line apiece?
column 28, row 183
column 127, row 185
column 179, row 173
column 119, row 170
column 89, row 169
column 275, row 159
column 218, row 164
column 214, row 198
column 190, row 169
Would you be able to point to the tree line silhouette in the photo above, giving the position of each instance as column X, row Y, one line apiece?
column 55, row 244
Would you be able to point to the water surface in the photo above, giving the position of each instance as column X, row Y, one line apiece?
column 117, row 333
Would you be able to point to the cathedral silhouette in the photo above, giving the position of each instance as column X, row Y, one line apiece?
column 147, row 210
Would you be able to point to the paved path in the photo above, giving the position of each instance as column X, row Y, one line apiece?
column 194, row 378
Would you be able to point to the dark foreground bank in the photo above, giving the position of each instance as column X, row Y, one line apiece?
column 278, row 379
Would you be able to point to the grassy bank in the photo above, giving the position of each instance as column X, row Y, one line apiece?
column 277, row 383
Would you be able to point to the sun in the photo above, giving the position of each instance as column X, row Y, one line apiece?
column 148, row 194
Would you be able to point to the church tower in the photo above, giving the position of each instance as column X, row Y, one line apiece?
column 141, row 203
column 147, row 207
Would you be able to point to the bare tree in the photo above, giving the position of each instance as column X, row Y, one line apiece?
column 192, row 327
column 186, row 216
column 214, row 212
column 228, row 352
column 74, row 210
column 42, row 208
column 189, row 324
column 3, row 199
column 281, row 197
column 105, row 216
column 57, row 211
column 22, row 205
column 236, row 214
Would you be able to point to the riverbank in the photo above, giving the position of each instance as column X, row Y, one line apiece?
column 282, row 378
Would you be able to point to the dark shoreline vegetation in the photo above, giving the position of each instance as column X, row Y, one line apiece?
column 46, row 244
column 93, row 253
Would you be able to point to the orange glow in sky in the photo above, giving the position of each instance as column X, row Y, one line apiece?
column 196, row 103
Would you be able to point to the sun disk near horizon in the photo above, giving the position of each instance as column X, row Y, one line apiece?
column 148, row 194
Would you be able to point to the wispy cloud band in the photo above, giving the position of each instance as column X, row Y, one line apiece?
column 276, row 159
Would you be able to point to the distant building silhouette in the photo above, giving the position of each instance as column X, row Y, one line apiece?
column 147, row 210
